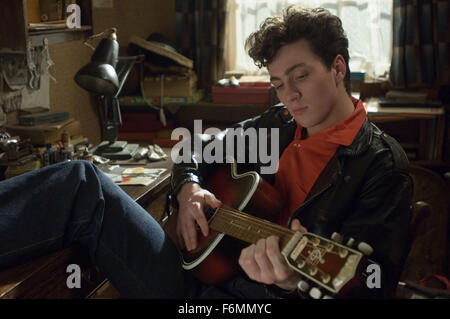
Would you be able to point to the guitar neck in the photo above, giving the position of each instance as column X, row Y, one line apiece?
column 246, row 227
column 328, row 264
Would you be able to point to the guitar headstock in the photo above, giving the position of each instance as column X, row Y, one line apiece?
column 328, row 264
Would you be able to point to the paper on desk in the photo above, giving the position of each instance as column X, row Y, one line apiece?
column 140, row 175
column 115, row 178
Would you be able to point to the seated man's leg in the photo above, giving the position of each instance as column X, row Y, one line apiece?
column 48, row 209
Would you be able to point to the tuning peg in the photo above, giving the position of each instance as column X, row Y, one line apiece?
column 325, row 278
column 315, row 293
column 336, row 237
column 350, row 242
column 301, row 264
column 303, row 286
column 313, row 270
column 343, row 252
column 315, row 241
column 329, row 246
column 365, row 248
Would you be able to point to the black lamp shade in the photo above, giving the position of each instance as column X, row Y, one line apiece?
column 100, row 76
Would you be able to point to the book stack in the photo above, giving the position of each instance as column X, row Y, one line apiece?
column 16, row 170
column 408, row 100
column 182, row 87
column 131, row 102
column 168, row 78
column 45, row 133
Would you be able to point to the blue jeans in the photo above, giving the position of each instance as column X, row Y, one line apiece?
column 51, row 208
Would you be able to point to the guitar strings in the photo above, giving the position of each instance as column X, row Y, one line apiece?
column 254, row 220
column 242, row 227
column 264, row 223
column 230, row 213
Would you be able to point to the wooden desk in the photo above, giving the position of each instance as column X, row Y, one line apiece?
column 45, row 277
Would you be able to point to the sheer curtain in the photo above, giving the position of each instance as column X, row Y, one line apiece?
column 367, row 23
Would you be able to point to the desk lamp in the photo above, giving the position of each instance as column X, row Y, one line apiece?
column 100, row 77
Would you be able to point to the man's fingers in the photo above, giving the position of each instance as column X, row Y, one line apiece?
column 248, row 264
column 200, row 219
column 189, row 234
column 212, row 200
column 264, row 263
column 192, row 215
column 273, row 253
column 296, row 225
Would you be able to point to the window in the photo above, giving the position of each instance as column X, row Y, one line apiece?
column 367, row 23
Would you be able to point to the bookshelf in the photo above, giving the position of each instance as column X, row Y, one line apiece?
column 14, row 26
column 420, row 130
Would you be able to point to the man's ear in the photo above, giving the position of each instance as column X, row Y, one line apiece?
column 340, row 68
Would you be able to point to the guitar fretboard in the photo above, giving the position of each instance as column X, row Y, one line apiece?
column 329, row 264
column 247, row 227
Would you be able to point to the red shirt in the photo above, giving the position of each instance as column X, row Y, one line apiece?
column 303, row 160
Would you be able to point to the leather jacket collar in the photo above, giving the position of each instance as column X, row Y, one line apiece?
column 361, row 143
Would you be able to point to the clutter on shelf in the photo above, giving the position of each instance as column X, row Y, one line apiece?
column 166, row 80
column 40, row 138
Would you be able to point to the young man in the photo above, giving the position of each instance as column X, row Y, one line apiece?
column 339, row 173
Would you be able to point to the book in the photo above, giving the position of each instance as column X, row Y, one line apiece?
column 170, row 85
column 33, row 110
column 47, row 133
column 156, row 100
column 152, row 68
column 400, row 96
column 404, row 103
column 15, row 170
column 44, row 117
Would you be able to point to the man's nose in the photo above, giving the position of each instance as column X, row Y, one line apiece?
column 292, row 92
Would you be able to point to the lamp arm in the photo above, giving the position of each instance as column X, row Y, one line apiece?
column 125, row 69
column 111, row 116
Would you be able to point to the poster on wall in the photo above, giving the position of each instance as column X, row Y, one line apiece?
column 25, row 79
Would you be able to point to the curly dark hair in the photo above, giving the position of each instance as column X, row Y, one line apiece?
column 322, row 30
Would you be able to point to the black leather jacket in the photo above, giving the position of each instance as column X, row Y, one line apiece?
column 364, row 192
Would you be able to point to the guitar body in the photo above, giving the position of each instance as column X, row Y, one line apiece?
column 216, row 258
column 249, row 207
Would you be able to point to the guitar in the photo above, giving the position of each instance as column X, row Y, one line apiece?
column 331, row 266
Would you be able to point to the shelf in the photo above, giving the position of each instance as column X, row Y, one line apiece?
column 15, row 32
column 55, row 36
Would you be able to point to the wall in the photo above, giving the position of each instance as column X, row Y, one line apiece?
column 140, row 17
column 65, row 94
